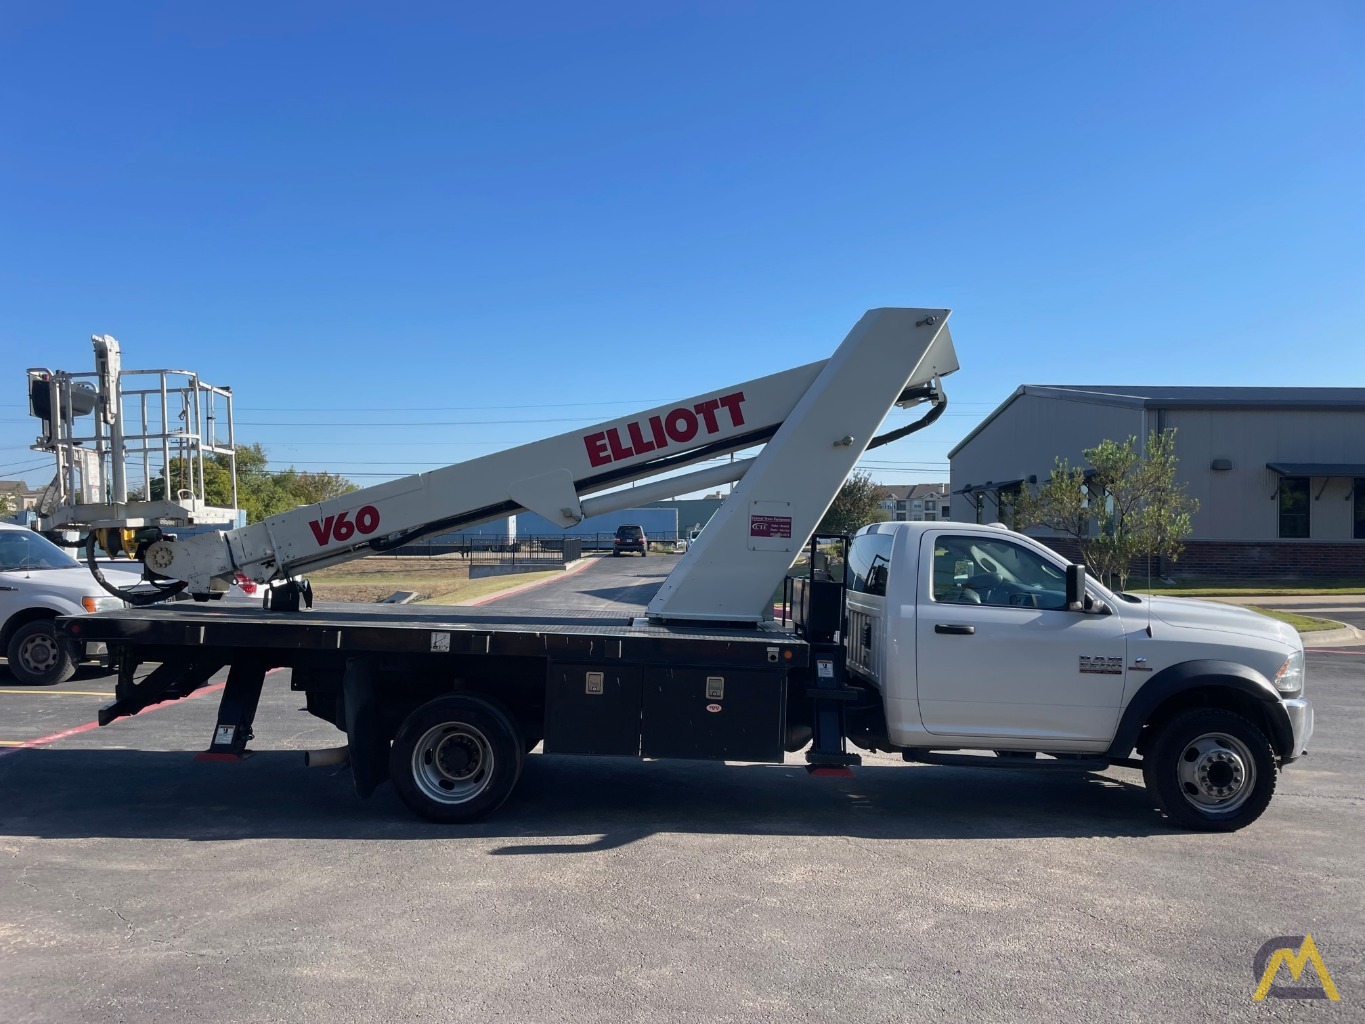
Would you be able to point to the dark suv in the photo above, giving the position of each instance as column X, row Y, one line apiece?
column 631, row 537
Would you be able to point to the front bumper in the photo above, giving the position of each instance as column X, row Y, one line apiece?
column 1301, row 722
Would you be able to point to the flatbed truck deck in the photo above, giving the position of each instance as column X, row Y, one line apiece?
column 593, row 683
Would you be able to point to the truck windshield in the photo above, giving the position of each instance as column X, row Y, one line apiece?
column 24, row 549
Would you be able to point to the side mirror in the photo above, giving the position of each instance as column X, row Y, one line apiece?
column 1075, row 588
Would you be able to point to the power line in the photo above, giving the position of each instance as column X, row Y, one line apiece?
column 382, row 444
column 20, row 467
column 454, row 408
column 415, row 423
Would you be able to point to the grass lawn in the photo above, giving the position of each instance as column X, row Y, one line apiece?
column 1303, row 623
column 1245, row 588
column 435, row 580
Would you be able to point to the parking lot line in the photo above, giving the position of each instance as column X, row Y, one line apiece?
column 43, row 741
column 60, row 693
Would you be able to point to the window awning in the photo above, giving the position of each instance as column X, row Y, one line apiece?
column 990, row 485
column 1322, row 469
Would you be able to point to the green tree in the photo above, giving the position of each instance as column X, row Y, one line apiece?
column 858, row 503
column 312, row 488
column 260, row 492
column 1128, row 506
column 217, row 482
column 6, row 505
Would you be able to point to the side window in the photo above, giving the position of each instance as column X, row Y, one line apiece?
column 869, row 562
column 981, row 570
column 953, row 567
column 1358, row 489
column 1005, row 500
column 1294, row 506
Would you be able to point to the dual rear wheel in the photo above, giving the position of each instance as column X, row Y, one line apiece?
column 457, row 758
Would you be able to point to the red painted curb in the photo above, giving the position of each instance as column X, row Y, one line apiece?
column 43, row 741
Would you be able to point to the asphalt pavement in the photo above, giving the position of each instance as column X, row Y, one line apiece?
column 139, row 885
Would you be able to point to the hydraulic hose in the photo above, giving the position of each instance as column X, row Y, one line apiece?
column 137, row 600
column 930, row 392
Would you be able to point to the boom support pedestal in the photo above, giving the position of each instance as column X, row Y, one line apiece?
column 819, row 614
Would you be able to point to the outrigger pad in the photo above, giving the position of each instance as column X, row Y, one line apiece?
column 829, row 771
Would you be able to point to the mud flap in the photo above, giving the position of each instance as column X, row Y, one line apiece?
column 364, row 728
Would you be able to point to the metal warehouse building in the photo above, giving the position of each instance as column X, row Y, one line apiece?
column 1279, row 473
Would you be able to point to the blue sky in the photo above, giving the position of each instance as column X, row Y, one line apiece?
column 408, row 238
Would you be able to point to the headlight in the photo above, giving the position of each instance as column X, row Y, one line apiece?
column 1289, row 679
column 101, row 604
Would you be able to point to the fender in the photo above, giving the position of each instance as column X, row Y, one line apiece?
column 1192, row 675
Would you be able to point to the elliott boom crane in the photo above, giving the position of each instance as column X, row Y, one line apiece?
column 814, row 422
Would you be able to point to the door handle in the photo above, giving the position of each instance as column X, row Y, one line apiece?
column 941, row 627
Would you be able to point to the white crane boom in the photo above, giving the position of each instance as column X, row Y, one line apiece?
column 814, row 423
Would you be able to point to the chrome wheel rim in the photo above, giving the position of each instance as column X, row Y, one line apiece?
column 38, row 654
column 1217, row 773
column 452, row 763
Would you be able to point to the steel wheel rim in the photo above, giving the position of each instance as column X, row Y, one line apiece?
column 39, row 653
column 1216, row 772
column 452, row 763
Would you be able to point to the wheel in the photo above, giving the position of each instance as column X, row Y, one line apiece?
column 1211, row 770
column 616, row 554
column 38, row 656
column 456, row 758
column 644, row 553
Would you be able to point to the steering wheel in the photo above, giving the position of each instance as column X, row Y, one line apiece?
column 989, row 585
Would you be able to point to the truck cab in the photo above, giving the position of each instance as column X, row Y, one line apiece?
column 972, row 639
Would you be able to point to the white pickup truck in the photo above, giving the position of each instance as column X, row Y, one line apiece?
column 979, row 638
column 39, row 582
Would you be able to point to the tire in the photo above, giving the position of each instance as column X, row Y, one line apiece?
column 39, row 656
column 456, row 758
column 1211, row 770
